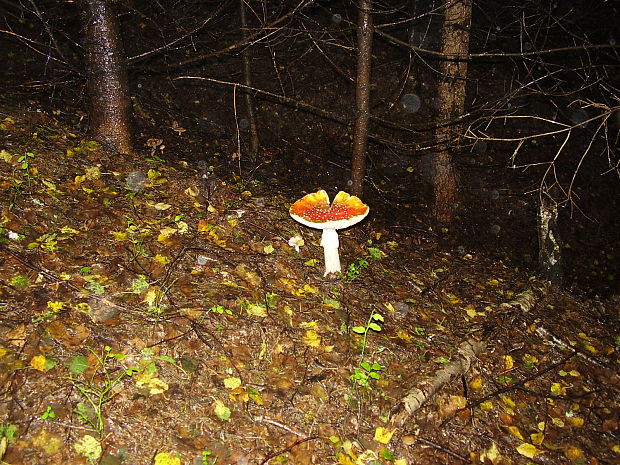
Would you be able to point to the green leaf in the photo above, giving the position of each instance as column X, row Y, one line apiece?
column 374, row 327
column 78, row 365
column 377, row 317
column 366, row 366
column 359, row 329
column 166, row 358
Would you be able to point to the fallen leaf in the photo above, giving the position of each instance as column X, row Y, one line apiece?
column 221, row 410
column 492, row 454
column 16, row 336
column 311, row 339
column 164, row 458
column 232, row 383
column 384, row 435
column 528, row 450
column 89, row 447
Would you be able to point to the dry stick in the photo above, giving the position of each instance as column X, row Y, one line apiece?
column 468, row 351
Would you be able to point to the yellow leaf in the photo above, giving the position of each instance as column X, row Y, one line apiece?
column 55, row 306
column 400, row 462
column 119, row 236
column 232, row 383
column 311, row 339
column 575, row 422
column 476, row 383
column 191, row 192
column 309, row 325
column 508, row 362
column 221, row 410
column 89, row 447
column 165, row 234
column 256, row 309
column 404, row 335
column 493, row 282
column 514, row 430
column 92, row 173
column 390, row 307
column 307, row 289
column 492, row 454
column 162, row 259
column 344, row 459
column 5, row 156
column 368, row 456
column 152, row 296
column 384, row 435
column 558, row 422
column 216, row 239
column 528, row 450
column 557, row 389
column 157, row 386
column 203, row 226
column 573, row 453
column 159, row 206
column 38, row 363
column 164, row 458
column 487, row 405
column 311, row 262
column 537, row 438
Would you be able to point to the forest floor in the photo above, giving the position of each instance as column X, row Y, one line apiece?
column 150, row 314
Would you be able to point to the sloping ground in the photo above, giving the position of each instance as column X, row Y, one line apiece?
column 150, row 315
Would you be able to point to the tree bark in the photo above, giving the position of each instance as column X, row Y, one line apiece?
column 362, row 97
column 451, row 93
column 110, row 105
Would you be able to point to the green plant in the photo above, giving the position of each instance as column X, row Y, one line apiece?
column 49, row 413
column 98, row 389
column 8, row 431
column 361, row 263
column 366, row 372
column 354, row 269
column 24, row 163
column 206, row 458
column 220, row 309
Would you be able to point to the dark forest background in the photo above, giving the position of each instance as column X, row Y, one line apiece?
column 265, row 92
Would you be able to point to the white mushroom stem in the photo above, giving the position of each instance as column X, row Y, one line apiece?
column 330, row 243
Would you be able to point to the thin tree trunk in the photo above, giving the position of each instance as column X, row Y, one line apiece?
column 451, row 93
column 110, row 105
column 362, row 97
column 247, row 80
column 550, row 245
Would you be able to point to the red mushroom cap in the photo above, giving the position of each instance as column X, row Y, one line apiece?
column 314, row 210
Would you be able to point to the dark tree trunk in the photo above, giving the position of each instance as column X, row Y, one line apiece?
column 247, row 80
column 362, row 98
column 110, row 105
column 451, row 93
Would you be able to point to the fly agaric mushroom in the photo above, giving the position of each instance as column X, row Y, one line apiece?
column 315, row 211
